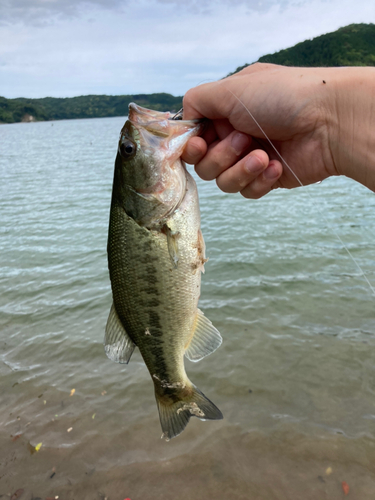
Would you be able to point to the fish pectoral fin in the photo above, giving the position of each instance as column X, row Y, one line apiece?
column 118, row 345
column 205, row 338
column 172, row 241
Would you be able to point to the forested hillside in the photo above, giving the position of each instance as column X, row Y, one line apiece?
column 353, row 45
column 89, row 106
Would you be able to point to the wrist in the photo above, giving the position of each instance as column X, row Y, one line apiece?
column 351, row 123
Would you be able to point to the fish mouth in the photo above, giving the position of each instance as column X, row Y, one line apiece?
column 163, row 124
column 140, row 115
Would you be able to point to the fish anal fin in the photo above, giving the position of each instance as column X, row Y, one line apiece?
column 205, row 338
column 117, row 344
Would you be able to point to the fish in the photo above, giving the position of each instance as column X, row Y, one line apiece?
column 156, row 254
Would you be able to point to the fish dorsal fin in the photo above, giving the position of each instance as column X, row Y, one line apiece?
column 118, row 345
column 205, row 338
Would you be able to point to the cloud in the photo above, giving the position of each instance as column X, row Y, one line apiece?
column 47, row 12
column 155, row 46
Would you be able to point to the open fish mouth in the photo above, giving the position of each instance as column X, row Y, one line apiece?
column 164, row 124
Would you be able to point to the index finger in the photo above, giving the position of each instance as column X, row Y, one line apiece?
column 209, row 100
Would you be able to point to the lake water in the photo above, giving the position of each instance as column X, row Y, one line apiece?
column 294, row 377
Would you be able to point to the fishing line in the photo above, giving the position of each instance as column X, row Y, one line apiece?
column 312, row 199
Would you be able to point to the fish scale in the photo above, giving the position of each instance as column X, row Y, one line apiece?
column 155, row 259
column 140, row 278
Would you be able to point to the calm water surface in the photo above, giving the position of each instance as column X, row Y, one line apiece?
column 294, row 378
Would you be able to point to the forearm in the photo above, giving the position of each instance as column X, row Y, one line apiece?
column 351, row 123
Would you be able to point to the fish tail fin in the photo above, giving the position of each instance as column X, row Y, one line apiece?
column 175, row 415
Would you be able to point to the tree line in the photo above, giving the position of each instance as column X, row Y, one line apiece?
column 353, row 45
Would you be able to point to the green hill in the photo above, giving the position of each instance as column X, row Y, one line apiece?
column 353, row 45
column 89, row 106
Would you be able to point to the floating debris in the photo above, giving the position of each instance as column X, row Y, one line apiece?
column 38, row 446
column 104, row 392
column 72, row 392
column 93, row 416
column 329, row 471
column 17, row 436
column 70, row 429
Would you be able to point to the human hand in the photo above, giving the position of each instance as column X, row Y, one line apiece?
column 295, row 108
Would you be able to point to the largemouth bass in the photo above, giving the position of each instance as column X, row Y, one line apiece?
column 156, row 254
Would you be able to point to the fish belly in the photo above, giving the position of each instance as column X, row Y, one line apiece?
column 155, row 299
column 155, row 277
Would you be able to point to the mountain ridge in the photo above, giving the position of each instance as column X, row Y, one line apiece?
column 352, row 45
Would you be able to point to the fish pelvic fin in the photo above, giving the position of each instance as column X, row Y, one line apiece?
column 118, row 345
column 204, row 340
column 176, row 409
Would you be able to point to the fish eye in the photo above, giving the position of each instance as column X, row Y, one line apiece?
column 127, row 149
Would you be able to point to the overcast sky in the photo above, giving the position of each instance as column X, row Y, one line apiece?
column 64, row 48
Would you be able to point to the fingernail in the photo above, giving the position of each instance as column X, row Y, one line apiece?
column 240, row 142
column 253, row 165
column 271, row 172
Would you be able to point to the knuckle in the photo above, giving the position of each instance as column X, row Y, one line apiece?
column 258, row 65
column 193, row 154
column 264, row 65
column 213, row 162
column 254, row 192
column 187, row 99
column 203, row 172
column 216, row 163
column 221, row 157
column 225, row 186
column 251, row 196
